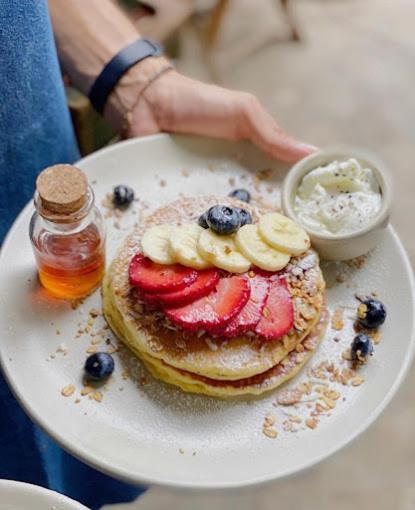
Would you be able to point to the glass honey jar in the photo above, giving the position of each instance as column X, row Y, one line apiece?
column 67, row 233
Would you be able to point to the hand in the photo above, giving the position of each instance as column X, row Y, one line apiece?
column 176, row 103
column 89, row 34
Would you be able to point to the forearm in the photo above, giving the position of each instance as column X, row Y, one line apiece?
column 147, row 100
column 88, row 34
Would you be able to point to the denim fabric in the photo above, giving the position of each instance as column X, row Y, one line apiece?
column 35, row 132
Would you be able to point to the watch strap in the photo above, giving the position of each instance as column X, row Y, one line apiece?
column 117, row 67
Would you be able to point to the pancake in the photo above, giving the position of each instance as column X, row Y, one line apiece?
column 161, row 344
column 258, row 384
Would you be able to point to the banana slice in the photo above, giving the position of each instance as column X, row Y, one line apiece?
column 183, row 246
column 155, row 244
column 254, row 248
column 222, row 252
column 283, row 234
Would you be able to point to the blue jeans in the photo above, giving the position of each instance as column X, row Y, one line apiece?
column 35, row 132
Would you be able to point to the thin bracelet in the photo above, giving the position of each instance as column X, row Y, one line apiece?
column 126, row 125
column 117, row 67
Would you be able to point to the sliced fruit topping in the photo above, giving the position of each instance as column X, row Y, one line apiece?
column 241, row 194
column 278, row 313
column 251, row 313
column 155, row 244
column 151, row 300
column 216, row 309
column 205, row 283
column 255, row 249
column 223, row 219
column 183, row 246
column 271, row 275
column 152, row 277
column 222, row 252
column 283, row 234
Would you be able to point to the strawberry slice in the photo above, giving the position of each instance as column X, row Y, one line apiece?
column 270, row 275
column 278, row 314
column 216, row 309
column 152, row 277
column 151, row 300
column 251, row 313
column 205, row 282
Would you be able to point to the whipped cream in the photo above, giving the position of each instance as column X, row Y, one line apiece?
column 339, row 198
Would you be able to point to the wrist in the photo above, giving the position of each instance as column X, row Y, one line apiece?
column 129, row 88
column 88, row 34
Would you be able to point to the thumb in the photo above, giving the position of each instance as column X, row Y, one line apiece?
column 264, row 132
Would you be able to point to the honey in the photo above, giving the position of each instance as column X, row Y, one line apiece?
column 67, row 234
column 71, row 267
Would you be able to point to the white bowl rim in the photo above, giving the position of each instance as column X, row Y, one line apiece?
column 333, row 153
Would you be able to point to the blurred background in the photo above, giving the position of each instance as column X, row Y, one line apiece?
column 330, row 71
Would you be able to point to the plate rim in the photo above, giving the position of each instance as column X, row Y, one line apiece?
column 31, row 489
column 140, row 479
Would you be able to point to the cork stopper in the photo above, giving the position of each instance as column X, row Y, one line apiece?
column 62, row 189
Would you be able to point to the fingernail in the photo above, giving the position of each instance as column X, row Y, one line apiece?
column 308, row 147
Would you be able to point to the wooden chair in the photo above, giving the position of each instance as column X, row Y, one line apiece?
column 219, row 12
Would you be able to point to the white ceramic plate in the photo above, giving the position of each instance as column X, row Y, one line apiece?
column 23, row 496
column 154, row 433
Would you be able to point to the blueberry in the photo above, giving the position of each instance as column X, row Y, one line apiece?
column 202, row 221
column 99, row 366
column 362, row 348
column 122, row 196
column 241, row 194
column 245, row 216
column 223, row 219
column 371, row 313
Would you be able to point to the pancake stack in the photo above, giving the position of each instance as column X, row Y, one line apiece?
column 211, row 363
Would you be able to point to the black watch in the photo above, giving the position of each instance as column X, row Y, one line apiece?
column 116, row 68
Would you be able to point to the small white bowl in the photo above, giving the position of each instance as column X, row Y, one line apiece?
column 347, row 246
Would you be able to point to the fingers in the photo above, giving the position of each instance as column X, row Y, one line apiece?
column 176, row 103
column 264, row 132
